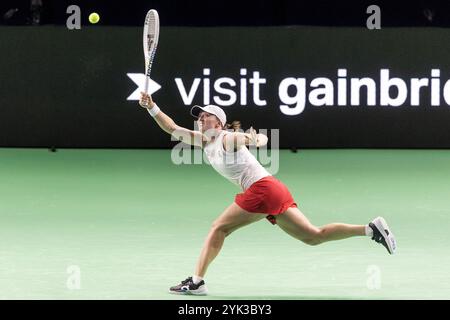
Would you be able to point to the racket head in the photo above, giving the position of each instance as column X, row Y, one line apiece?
column 150, row 36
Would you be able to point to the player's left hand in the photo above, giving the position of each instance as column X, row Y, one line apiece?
column 257, row 139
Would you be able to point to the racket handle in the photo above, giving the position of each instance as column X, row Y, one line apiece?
column 147, row 76
column 146, row 84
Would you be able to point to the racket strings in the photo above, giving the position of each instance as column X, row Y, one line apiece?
column 151, row 35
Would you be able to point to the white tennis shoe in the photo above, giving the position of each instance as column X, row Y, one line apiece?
column 189, row 287
column 382, row 234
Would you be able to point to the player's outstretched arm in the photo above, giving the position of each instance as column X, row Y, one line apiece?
column 168, row 125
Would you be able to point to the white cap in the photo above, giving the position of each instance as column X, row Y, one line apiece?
column 215, row 110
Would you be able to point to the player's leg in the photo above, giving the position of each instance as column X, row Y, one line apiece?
column 233, row 218
column 294, row 222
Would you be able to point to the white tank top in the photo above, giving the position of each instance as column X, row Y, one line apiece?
column 240, row 167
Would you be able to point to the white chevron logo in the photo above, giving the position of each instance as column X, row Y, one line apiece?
column 139, row 80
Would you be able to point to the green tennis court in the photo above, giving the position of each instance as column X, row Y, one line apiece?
column 132, row 224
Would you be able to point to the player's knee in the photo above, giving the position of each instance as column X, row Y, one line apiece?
column 314, row 238
column 220, row 227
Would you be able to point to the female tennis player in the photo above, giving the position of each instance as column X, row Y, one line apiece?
column 263, row 195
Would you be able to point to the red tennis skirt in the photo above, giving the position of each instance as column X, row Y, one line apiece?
column 268, row 195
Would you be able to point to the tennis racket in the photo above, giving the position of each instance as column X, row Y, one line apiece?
column 150, row 41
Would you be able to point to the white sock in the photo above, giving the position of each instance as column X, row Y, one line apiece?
column 369, row 231
column 196, row 279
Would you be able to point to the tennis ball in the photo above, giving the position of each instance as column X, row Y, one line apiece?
column 94, row 17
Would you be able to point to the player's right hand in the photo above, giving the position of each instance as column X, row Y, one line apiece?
column 146, row 101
